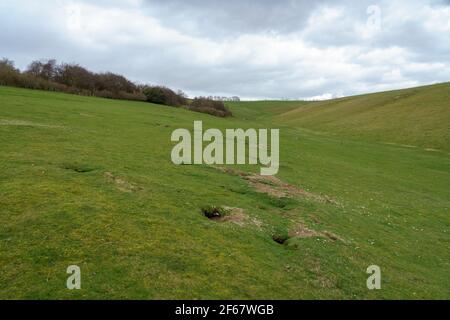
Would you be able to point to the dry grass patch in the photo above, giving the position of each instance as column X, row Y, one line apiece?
column 23, row 123
column 302, row 231
column 120, row 183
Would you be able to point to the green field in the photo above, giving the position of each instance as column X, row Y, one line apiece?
column 90, row 182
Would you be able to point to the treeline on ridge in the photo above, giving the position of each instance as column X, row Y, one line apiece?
column 69, row 78
column 75, row 79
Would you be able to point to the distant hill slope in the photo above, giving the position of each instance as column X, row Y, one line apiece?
column 264, row 109
column 417, row 116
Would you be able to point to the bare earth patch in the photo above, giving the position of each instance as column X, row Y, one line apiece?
column 120, row 183
column 238, row 216
column 274, row 187
column 301, row 231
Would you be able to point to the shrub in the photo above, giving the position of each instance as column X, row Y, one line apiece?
column 163, row 95
column 114, row 83
column 213, row 107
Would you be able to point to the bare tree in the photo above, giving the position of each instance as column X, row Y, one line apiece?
column 45, row 69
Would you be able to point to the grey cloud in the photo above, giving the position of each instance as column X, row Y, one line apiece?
column 255, row 49
column 217, row 18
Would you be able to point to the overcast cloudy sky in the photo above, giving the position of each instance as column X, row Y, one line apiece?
column 250, row 48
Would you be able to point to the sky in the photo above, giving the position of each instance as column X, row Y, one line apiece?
column 255, row 49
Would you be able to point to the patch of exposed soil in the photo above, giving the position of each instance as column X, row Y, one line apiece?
column 301, row 231
column 234, row 215
column 275, row 187
column 239, row 217
column 120, row 183
column 332, row 236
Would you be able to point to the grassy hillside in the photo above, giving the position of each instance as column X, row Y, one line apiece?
column 89, row 181
column 417, row 117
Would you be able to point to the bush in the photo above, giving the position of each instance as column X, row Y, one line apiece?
column 163, row 95
column 213, row 107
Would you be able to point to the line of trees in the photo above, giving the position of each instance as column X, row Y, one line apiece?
column 73, row 78
column 70, row 78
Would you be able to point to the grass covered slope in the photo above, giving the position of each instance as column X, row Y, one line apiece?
column 418, row 116
column 90, row 182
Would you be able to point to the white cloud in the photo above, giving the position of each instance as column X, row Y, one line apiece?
column 322, row 97
column 327, row 52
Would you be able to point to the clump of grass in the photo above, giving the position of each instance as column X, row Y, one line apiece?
column 282, row 203
column 79, row 168
column 214, row 212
